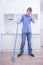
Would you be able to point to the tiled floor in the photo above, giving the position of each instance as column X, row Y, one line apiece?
column 5, row 59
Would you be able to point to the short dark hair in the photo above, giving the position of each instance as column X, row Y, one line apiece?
column 30, row 9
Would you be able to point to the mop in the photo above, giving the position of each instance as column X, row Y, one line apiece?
column 13, row 53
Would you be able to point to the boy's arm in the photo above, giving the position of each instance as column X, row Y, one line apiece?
column 21, row 20
column 18, row 23
column 33, row 20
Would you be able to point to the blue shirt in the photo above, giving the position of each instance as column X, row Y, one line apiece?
column 26, row 20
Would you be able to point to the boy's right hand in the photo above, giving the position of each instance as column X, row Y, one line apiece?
column 18, row 23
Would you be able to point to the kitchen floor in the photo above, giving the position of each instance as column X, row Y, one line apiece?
column 5, row 59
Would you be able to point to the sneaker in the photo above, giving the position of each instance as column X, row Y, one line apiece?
column 32, row 55
column 19, row 55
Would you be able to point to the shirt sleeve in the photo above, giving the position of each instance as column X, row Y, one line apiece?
column 22, row 19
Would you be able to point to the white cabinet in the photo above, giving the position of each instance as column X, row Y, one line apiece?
column 8, row 41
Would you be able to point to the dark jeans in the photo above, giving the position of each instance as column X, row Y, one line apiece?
column 24, row 35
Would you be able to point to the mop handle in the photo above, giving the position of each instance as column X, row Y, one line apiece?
column 13, row 54
column 16, row 38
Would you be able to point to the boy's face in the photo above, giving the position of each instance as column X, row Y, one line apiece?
column 29, row 13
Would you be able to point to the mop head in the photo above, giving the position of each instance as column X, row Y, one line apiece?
column 13, row 58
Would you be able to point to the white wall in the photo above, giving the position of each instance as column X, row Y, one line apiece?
column 41, row 27
column 17, row 7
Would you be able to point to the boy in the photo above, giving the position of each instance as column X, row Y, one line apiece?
column 26, row 31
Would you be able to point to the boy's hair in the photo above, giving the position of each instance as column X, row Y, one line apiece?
column 30, row 9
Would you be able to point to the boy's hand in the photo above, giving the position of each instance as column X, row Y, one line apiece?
column 33, row 20
column 18, row 23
